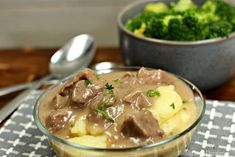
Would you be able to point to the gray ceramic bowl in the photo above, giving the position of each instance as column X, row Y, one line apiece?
column 207, row 63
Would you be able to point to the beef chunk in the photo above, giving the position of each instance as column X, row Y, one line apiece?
column 96, row 118
column 86, row 74
column 95, row 123
column 93, row 116
column 141, row 124
column 149, row 77
column 61, row 101
column 58, row 119
column 82, row 93
column 137, row 99
column 115, row 111
column 112, row 100
column 96, row 101
column 129, row 78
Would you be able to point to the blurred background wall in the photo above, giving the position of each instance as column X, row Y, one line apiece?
column 49, row 23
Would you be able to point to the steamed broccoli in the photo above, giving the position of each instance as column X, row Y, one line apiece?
column 184, row 21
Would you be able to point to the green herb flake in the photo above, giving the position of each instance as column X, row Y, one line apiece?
column 109, row 86
column 184, row 101
column 153, row 93
column 184, row 108
column 117, row 81
column 87, row 82
column 101, row 110
column 172, row 105
column 105, row 114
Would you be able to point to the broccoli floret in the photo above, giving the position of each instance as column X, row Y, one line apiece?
column 225, row 11
column 209, row 7
column 169, row 17
column 183, row 5
column 191, row 21
column 220, row 9
column 206, row 17
column 175, row 28
column 203, row 32
column 156, row 7
column 219, row 29
column 147, row 24
column 140, row 31
column 179, row 31
column 133, row 24
column 156, row 29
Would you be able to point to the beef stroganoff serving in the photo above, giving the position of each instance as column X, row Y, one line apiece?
column 119, row 109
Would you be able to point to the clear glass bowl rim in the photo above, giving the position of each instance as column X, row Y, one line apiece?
column 148, row 146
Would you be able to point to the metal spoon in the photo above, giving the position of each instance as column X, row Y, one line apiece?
column 73, row 56
column 76, row 54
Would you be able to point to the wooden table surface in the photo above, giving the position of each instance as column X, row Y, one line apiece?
column 24, row 65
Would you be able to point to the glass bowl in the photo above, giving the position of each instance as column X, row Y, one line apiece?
column 169, row 147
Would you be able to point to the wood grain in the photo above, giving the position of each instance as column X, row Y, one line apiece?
column 23, row 65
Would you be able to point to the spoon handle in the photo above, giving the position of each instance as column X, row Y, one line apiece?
column 7, row 109
column 15, row 88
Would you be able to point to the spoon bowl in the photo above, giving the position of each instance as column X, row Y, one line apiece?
column 76, row 54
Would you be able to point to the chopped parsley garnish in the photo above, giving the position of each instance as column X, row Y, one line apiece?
column 152, row 93
column 185, row 101
column 105, row 115
column 87, row 82
column 101, row 110
column 110, row 88
column 117, row 81
column 172, row 105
